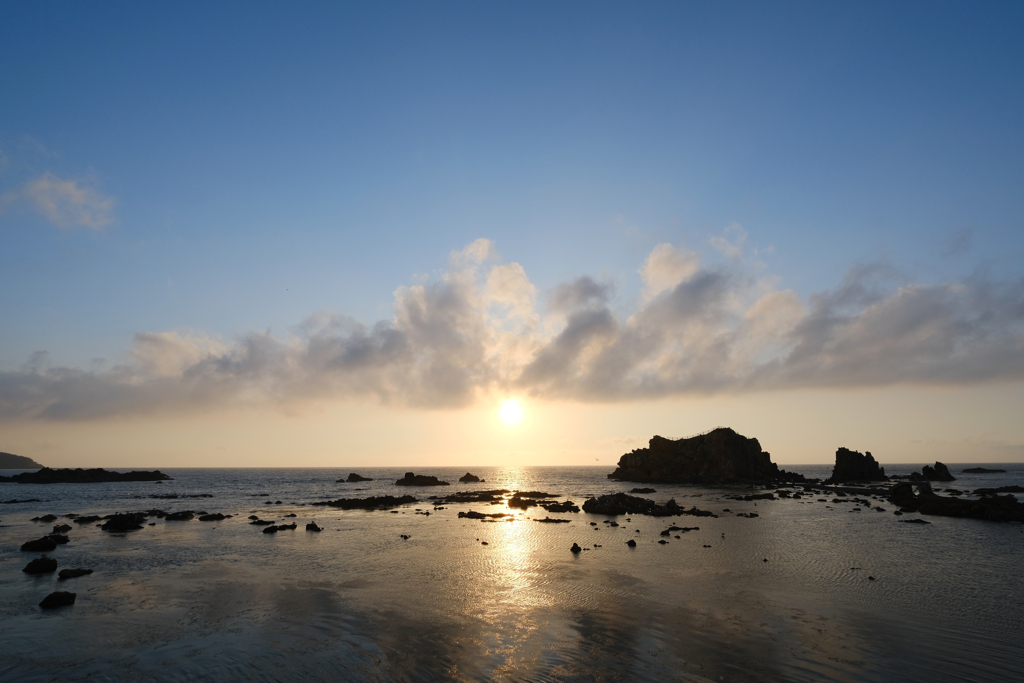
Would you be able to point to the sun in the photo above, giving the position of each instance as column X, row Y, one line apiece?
column 511, row 412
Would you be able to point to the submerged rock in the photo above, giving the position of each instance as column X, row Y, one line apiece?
column 58, row 599
column 855, row 466
column 719, row 457
column 66, row 574
column 411, row 479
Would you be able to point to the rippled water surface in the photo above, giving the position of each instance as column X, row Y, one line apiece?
column 784, row 596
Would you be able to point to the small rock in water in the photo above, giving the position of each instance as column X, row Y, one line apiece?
column 58, row 599
column 40, row 545
column 663, row 541
column 631, row 543
column 405, row 537
column 41, row 565
column 575, row 548
column 312, row 526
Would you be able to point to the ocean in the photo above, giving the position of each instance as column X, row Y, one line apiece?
column 783, row 596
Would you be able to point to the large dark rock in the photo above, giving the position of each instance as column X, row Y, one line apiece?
column 411, row 479
column 182, row 516
column 468, row 478
column 492, row 496
column 10, row 461
column 40, row 545
column 980, row 470
column 937, row 473
column 719, row 457
column 80, row 476
column 128, row 521
column 41, row 565
column 371, row 503
column 855, row 466
column 58, row 599
column 355, row 478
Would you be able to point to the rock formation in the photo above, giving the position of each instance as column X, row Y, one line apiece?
column 981, row 470
column 855, row 466
column 411, row 479
column 41, row 565
column 354, row 478
column 58, row 599
column 624, row 504
column 719, row 457
column 937, row 473
column 468, row 478
column 10, row 461
column 80, row 476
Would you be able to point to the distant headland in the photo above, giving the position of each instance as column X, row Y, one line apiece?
column 80, row 476
column 10, row 461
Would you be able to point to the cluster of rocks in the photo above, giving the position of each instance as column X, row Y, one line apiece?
column 625, row 504
column 937, row 472
column 369, row 503
column 994, row 508
column 80, row 476
column 720, row 456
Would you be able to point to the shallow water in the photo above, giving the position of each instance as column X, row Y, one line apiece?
column 197, row 600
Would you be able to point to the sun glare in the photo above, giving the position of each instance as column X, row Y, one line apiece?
column 511, row 412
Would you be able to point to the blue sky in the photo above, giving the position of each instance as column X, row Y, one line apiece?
column 219, row 172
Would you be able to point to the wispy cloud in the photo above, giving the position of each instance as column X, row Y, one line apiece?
column 477, row 329
column 64, row 203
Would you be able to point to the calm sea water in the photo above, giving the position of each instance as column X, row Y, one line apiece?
column 221, row 600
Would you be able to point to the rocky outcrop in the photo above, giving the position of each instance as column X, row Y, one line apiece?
column 80, row 476
column 313, row 526
column 855, row 466
column 981, row 470
column 354, row 478
column 411, row 479
column 719, row 457
column 468, row 478
column 371, row 503
column 10, row 461
column 938, row 472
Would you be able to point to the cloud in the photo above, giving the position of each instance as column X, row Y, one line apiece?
column 731, row 241
column 474, row 330
column 64, row 203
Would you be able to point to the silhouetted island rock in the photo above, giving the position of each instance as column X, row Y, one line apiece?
column 80, row 476
column 411, row 479
column 355, row 478
column 981, row 470
column 10, row 461
column 468, row 478
column 855, row 466
column 719, row 457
